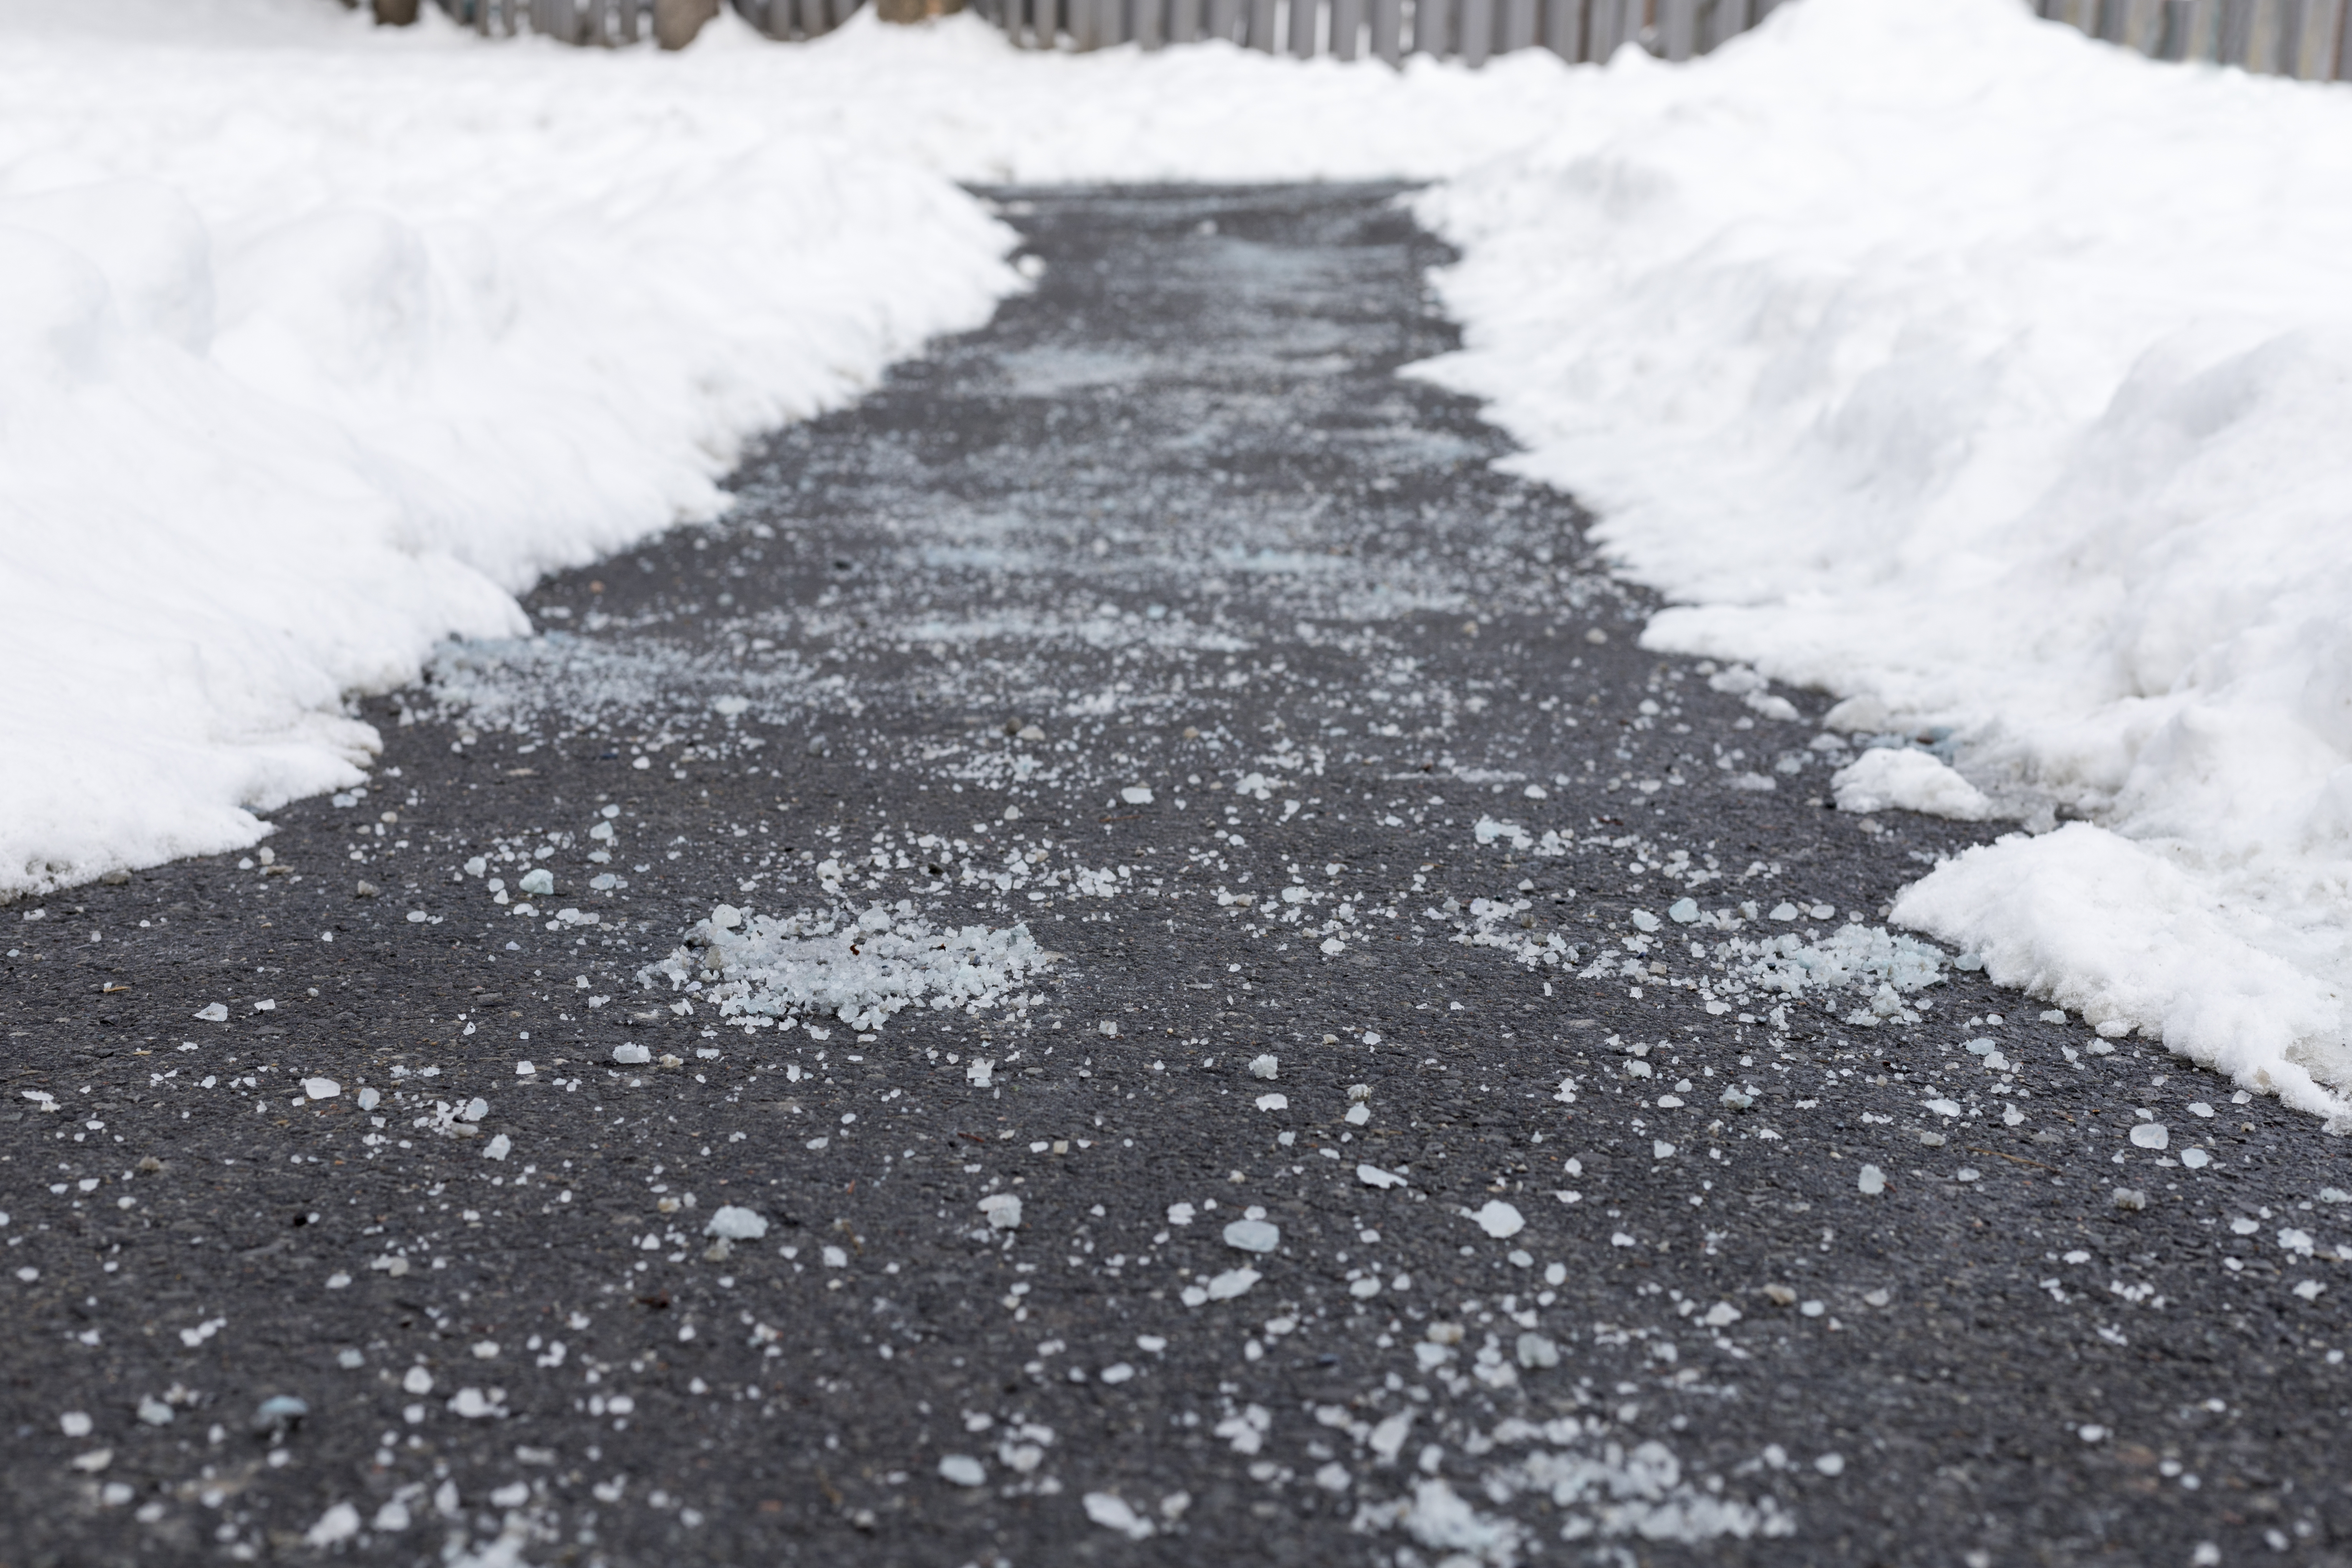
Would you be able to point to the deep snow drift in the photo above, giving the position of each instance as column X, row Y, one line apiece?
column 1995, row 381
column 319, row 340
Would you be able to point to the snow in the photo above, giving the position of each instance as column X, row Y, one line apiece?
column 1989, row 379
column 1898, row 778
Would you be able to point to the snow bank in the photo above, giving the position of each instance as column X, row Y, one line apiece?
column 319, row 341
column 1993, row 380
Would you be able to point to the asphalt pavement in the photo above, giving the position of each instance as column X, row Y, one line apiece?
column 1127, row 962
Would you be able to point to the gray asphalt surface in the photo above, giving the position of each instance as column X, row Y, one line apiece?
column 1164, row 619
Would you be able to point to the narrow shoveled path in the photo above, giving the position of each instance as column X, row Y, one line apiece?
column 1418, row 1080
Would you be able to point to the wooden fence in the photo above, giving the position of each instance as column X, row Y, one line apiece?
column 2311, row 39
column 2307, row 38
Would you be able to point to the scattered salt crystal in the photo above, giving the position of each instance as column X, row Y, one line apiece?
column 1374, row 1176
column 1002, row 1210
column 2130, row 1198
column 1830, row 1464
column 1944, row 1107
column 334, row 1527
column 2055, row 1016
column 2198, row 1108
column 1263, row 1067
column 2114, row 1028
column 1659, row 1148
column 537, row 879
column 498, row 1148
column 1136, row 794
column 1358, row 1115
column 1873, row 1181
column 962, row 1470
column 2151, row 1135
column 2091, row 1433
column 417, row 1380
column 1234, row 1282
column 1968, row 1173
column 632, row 1056
column 74, row 1424
column 1180, row 1213
column 732, row 1223
column 1722, row 1315
column 1535, row 1352
column 2334, row 1195
column 1784, row 912
column 526, row 1069
column 322, row 1088
column 1498, row 1219
column 1644, row 920
column 1108, row 1027
column 1112, row 1512
column 1273, row 1102
column 2311, row 1289
column 980, row 1072
column 1252, row 1236
column 213, row 1013
column 2195, row 1159
column 154, row 1413
column 1117, row 1373
column 1878, row 1298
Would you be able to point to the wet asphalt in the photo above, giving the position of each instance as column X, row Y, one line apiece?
column 1166, row 619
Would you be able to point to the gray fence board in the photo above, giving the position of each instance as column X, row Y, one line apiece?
column 1477, row 22
column 1387, row 31
column 1429, row 29
column 1347, row 29
column 1303, row 15
column 1262, row 15
column 1184, row 25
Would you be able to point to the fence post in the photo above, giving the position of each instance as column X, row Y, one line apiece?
column 1184, row 21
column 1387, row 31
column 2341, row 58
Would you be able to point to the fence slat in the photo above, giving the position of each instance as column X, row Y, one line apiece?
column 1477, row 23
column 1562, row 33
column 2341, row 58
column 1150, row 22
column 2237, row 32
column 1387, row 31
column 1678, row 28
column 1184, row 21
column 1225, row 19
column 1347, row 29
column 1429, row 29
column 1262, row 16
column 1303, row 17
column 1519, row 18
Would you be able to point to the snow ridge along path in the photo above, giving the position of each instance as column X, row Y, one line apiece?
column 1469, row 1108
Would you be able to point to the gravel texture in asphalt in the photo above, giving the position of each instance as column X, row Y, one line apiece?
column 1127, row 962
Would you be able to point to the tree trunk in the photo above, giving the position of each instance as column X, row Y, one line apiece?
column 675, row 22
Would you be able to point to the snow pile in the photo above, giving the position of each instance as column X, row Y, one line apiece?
column 320, row 341
column 858, row 968
column 1899, row 778
column 1993, row 380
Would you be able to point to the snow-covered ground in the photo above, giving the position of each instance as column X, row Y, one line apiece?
column 1984, row 377
column 1996, row 381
